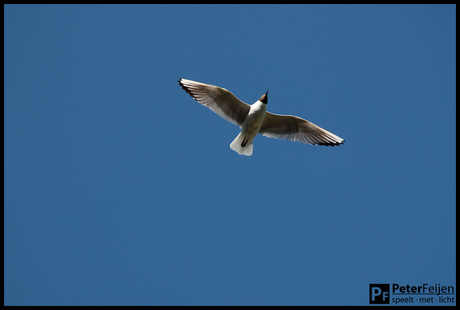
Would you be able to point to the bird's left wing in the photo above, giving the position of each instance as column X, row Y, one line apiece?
column 294, row 128
column 219, row 100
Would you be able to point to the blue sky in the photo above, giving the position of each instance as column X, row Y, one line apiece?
column 120, row 189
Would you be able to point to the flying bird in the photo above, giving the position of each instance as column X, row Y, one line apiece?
column 254, row 119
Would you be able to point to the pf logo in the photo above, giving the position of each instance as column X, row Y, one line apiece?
column 379, row 293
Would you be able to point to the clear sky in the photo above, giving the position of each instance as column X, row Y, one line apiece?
column 120, row 189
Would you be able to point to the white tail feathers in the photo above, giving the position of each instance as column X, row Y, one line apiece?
column 236, row 145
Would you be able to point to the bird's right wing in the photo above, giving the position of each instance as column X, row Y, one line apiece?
column 219, row 100
column 294, row 128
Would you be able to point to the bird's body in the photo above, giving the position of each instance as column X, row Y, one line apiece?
column 251, row 126
column 254, row 119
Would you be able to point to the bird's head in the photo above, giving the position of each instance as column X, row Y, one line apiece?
column 264, row 98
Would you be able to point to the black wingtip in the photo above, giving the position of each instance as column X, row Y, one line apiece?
column 332, row 143
column 187, row 90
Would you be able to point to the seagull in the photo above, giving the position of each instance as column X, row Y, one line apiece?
column 254, row 119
